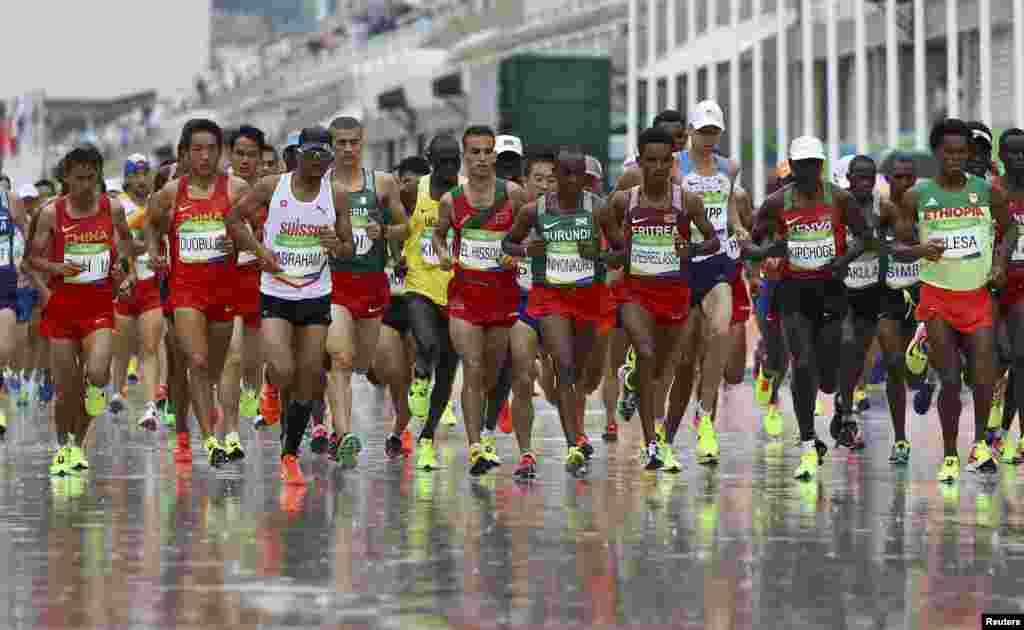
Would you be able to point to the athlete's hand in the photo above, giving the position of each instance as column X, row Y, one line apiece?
column 534, row 246
column 226, row 245
column 70, row 270
column 589, row 249
column 329, row 240
column 997, row 277
column 158, row 263
column 684, row 248
column 933, row 249
column 374, row 231
column 126, row 288
column 268, row 261
column 507, row 262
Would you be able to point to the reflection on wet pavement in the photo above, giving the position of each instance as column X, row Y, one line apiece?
column 139, row 542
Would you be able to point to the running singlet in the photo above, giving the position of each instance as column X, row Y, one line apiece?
column 292, row 232
column 814, row 237
column 197, row 229
column 371, row 255
column 901, row 275
column 963, row 221
column 136, row 217
column 478, row 236
column 651, row 239
column 1016, row 267
column 561, row 264
column 246, row 259
column 87, row 242
column 18, row 249
column 865, row 271
column 425, row 277
column 715, row 190
column 10, row 235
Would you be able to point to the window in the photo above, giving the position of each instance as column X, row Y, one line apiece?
column 682, row 95
column 641, row 103
column 662, row 94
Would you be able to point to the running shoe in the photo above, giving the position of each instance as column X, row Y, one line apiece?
column 392, row 446
column 270, row 407
column 981, row 460
column 576, row 462
column 923, row 395
column 527, row 468
column 819, row 407
column 150, row 417
column 183, row 450
column 3, row 425
column 448, row 418
column 611, row 432
column 505, row 419
column 291, row 473
column 917, row 351
column 900, row 453
column 628, row 397
column 215, row 453
column 950, row 470
column 490, row 445
column 667, row 455
column 426, row 459
column 95, row 400
column 707, row 442
column 76, row 458
column 407, row 443
column 348, row 450
column 419, row 398
column 248, row 404
column 117, row 404
column 477, row 464
column 583, row 442
column 233, row 447
column 45, row 392
column 318, row 441
column 773, row 425
column 653, row 457
column 995, row 440
column 133, row 371
column 60, row 465
column 861, row 402
column 763, row 388
column 659, row 433
column 1009, row 451
column 808, row 467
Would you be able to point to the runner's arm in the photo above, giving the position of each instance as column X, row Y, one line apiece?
column 440, row 237
column 696, row 214
column 1008, row 228
column 763, row 244
column 42, row 242
column 739, row 204
column 630, row 178
column 398, row 230
column 247, row 211
column 858, row 227
column 343, row 226
column 905, row 248
column 123, row 240
column 158, row 215
column 609, row 218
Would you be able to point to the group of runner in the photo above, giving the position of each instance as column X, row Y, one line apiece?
column 250, row 286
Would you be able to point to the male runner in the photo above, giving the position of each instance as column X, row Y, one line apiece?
column 568, row 275
column 409, row 172
column 139, row 317
column 811, row 221
column 426, row 286
column 651, row 224
column 360, row 289
column 270, row 162
column 83, row 241
column 1011, row 152
column 483, row 294
column 305, row 219
column 12, row 229
column 953, row 214
column 190, row 210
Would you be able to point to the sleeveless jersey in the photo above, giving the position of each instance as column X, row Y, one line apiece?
column 963, row 220
column 197, row 226
column 87, row 242
column 650, row 239
column 9, row 234
column 425, row 277
column 136, row 218
column 716, row 191
column 292, row 231
column 1016, row 267
column 561, row 264
column 814, row 237
column 478, row 236
column 371, row 255
column 866, row 270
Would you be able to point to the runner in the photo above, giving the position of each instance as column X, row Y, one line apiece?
column 812, row 220
column 568, row 277
column 651, row 223
column 31, row 360
column 13, row 227
column 953, row 213
column 190, row 210
column 360, row 290
column 706, row 336
column 83, row 241
column 483, row 293
column 306, row 219
column 270, row 162
column 426, row 285
column 139, row 318
column 409, row 172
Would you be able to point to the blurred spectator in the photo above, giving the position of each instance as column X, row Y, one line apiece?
column 5, row 183
column 46, row 189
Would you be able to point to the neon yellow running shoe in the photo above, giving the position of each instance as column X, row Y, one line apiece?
column 76, row 458
column 1009, row 452
column 95, row 401
column 917, row 351
column 763, row 388
column 659, row 434
column 808, row 468
column 448, row 418
column 773, row 425
column 419, row 397
column 426, row 458
column 669, row 463
column 707, row 441
column 60, row 466
column 950, row 470
column 248, row 404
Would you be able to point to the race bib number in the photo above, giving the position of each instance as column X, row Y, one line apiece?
column 962, row 242
column 92, row 258
column 363, row 241
column 811, row 250
column 653, row 255
column 565, row 266
column 427, row 251
column 480, row 250
column 863, row 272
column 901, row 275
column 199, row 241
column 301, row 257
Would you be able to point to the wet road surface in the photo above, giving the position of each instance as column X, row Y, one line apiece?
column 138, row 543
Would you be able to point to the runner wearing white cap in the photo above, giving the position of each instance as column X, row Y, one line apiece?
column 806, row 223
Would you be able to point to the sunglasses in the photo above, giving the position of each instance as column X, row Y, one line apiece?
column 131, row 168
column 314, row 149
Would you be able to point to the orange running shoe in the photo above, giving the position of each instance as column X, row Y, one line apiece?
column 406, row 443
column 183, row 451
column 505, row 419
column 270, row 405
column 291, row 474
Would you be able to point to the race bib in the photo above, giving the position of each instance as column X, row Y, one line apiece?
column 811, row 250
column 523, row 275
column 962, row 242
column 301, row 257
column 427, row 251
column 863, row 272
column 653, row 255
column 901, row 275
column 199, row 241
column 565, row 266
column 92, row 258
column 363, row 241
column 480, row 250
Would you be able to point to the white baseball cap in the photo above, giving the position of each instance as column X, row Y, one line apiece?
column 503, row 144
column 594, row 167
column 840, row 170
column 707, row 114
column 806, row 148
column 27, row 191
